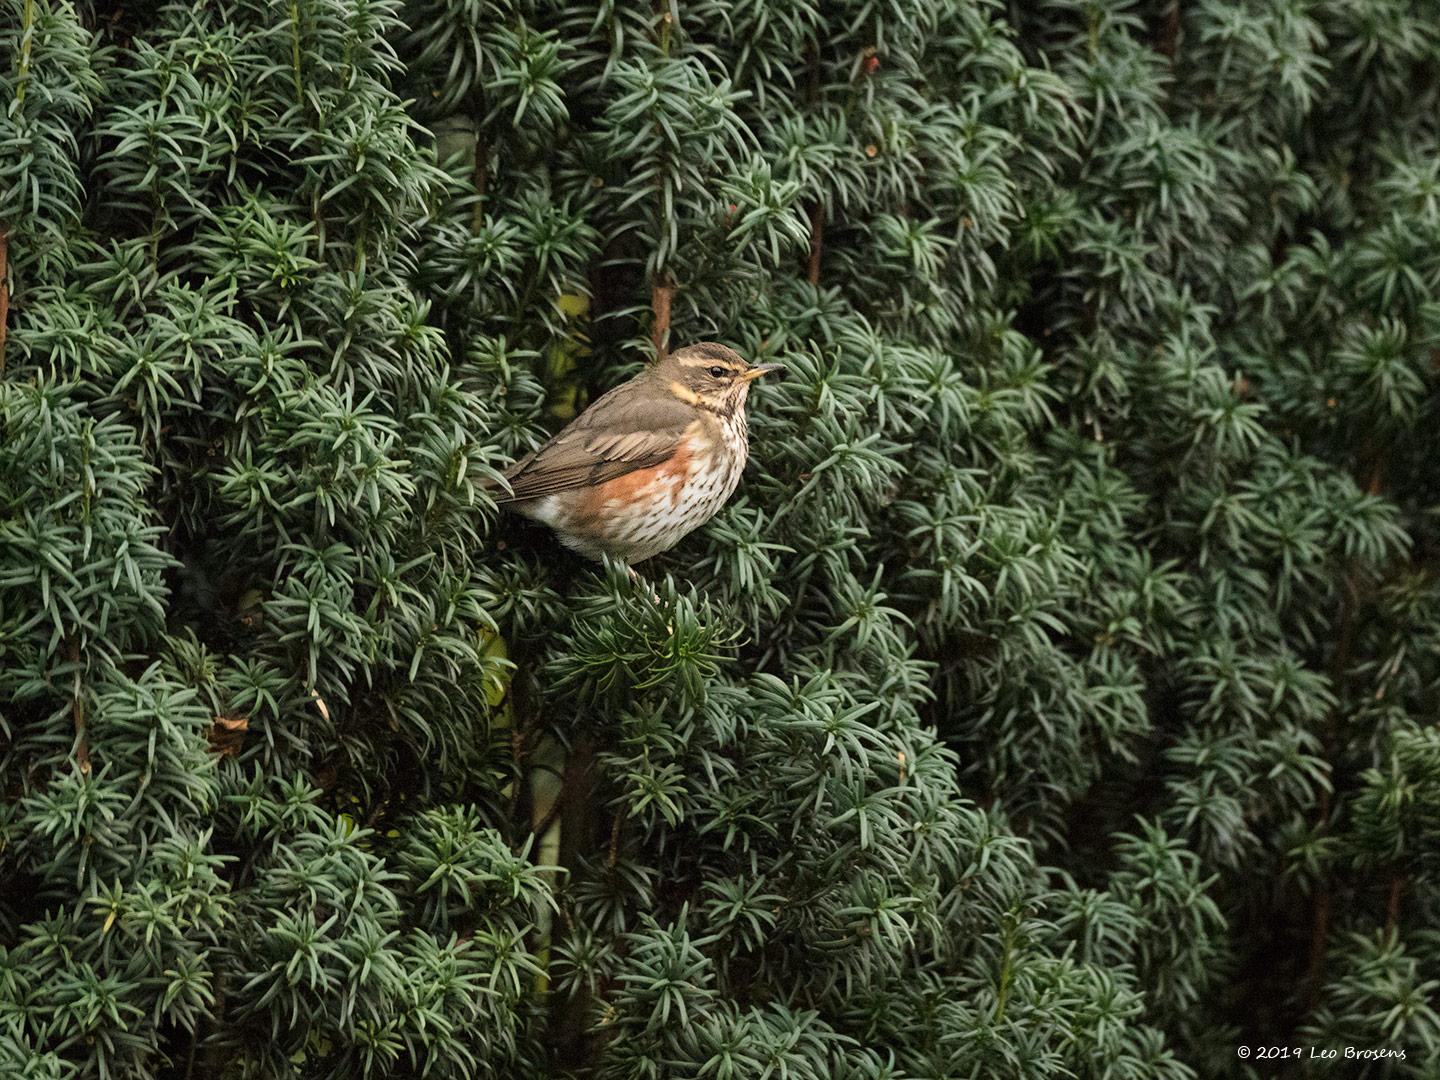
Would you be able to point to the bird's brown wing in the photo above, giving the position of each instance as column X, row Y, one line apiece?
column 619, row 433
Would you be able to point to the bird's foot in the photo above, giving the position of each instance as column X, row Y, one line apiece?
column 641, row 582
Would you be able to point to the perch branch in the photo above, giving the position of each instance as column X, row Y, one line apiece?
column 4, row 293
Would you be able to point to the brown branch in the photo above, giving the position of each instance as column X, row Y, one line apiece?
column 482, row 179
column 215, row 1055
column 614, row 855
column 662, row 289
column 1377, row 476
column 517, row 760
column 4, row 294
column 1169, row 35
column 817, row 211
column 551, row 816
column 1324, row 898
column 1339, row 661
column 1392, row 907
column 1319, row 935
column 517, row 698
column 77, row 706
column 817, row 240
column 577, row 821
column 190, row 1057
column 660, row 295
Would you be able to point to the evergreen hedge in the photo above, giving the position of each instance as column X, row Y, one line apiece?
column 1057, row 698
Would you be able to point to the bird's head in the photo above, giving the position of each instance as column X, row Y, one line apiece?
column 711, row 375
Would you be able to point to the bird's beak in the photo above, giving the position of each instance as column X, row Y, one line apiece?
column 759, row 369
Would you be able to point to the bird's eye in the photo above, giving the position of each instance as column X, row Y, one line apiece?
column 718, row 373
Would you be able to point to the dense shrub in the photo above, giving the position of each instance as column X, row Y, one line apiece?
column 1055, row 699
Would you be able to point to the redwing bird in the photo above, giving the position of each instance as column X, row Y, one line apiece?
column 646, row 463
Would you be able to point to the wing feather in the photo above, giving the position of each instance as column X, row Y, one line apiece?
column 619, row 433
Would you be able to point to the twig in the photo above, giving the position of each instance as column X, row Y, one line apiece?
column 1339, row 661
column 1169, row 35
column 4, row 293
column 482, row 178
column 77, row 706
column 817, row 211
column 665, row 9
column 1319, row 934
column 1392, row 908
column 549, row 819
column 190, row 1057
column 817, row 240
column 614, row 855
column 568, row 1021
column 660, row 295
column 517, row 760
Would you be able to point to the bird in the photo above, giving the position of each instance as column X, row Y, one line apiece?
column 648, row 462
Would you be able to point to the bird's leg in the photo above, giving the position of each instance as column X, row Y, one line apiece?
column 640, row 582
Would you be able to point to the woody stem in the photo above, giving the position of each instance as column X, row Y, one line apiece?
column 4, row 293
column 660, row 295
column 817, row 240
column 77, row 706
